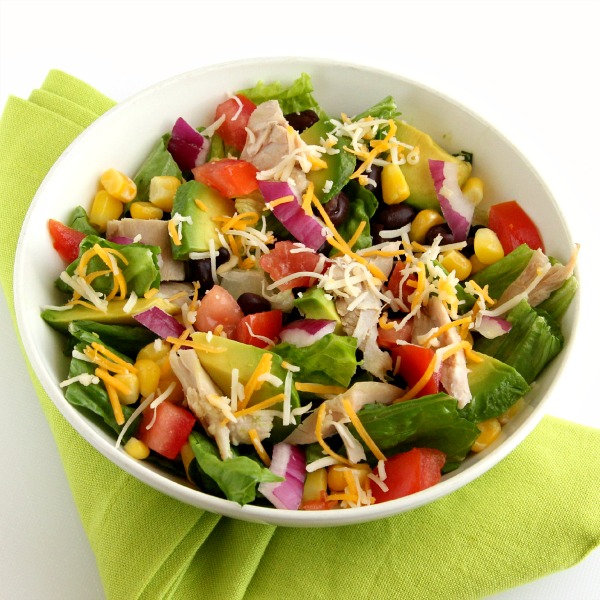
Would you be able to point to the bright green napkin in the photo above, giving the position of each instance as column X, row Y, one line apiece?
column 536, row 512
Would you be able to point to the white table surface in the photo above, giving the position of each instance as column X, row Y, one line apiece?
column 529, row 68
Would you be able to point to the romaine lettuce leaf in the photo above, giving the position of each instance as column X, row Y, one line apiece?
column 80, row 221
column 363, row 205
column 384, row 109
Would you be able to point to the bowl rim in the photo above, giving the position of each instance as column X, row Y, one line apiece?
column 175, row 488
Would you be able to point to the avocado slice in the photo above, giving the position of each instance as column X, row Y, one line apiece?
column 495, row 387
column 60, row 319
column 339, row 166
column 314, row 304
column 418, row 176
column 195, row 236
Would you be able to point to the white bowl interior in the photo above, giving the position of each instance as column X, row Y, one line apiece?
column 122, row 139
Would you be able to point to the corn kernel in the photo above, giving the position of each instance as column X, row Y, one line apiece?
column 476, row 264
column 162, row 191
column 456, row 261
column 490, row 430
column 423, row 222
column 148, row 376
column 156, row 351
column 118, row 185
column 146, row 211
column 488, row 248
column 512, row 412
column 136, row 449
column 394, row 188
column 315, row 486
column 473, row 190
column 131, row 381
column 104, row 208
column 336, row 480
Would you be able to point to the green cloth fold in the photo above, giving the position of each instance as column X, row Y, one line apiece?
column 536, row 512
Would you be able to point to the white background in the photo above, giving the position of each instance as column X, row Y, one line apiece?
column 528, row 68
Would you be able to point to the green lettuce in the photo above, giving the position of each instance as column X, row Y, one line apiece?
column 384, row 109
column 559, row 300
column 330, row 361
column 236, row 477
column 363, row 205
column 141, row 272
column 127, row 339
column 293, row 98
column 81, row 222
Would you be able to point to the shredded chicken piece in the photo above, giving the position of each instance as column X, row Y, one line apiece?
column 261, row 421
column 365, row 392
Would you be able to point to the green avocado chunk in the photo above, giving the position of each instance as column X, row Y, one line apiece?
column 339, row 166
column 314, row 304
column 60, row 319
column 495, row 387
column 418, row 177
column 196, row 236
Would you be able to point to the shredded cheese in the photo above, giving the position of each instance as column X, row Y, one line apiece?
column 259, row 406
column 318, row 388
column 253, row 384
column 322, row 443
column 367, row 439
column 260, row 450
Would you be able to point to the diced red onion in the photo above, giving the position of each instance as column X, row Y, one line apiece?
column 456, row 208
column 188, row 148
column 305, row 228
column 160, row 322
column 492, row 327
column 287, row 461
column 305, row 332
column 121, row 239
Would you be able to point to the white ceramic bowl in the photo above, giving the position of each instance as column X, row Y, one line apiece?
column 123, row 136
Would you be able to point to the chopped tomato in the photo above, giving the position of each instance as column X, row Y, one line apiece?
column 233, row 129
column 218, row 307
column 65, row 240
column 231, row 177
column 410, row 472
column 266, row 324
column 170, row 430
column 410, row 362
column 395, row 279
column 387, row 337
column 514, row 226
column 281, row 261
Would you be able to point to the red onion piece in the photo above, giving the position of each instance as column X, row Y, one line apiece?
column 306, row 332
column 287, row 461
column 305, row 228
column 160, row 322
column 456, row 208
column 188, row 148
column 121, row 239
column 492, row 327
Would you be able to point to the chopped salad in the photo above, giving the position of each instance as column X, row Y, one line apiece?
column 303, row 310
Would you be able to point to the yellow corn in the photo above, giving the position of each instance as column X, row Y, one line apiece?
column 146, row 211
column 456, row 261
column 156, row 352
column 490, row 430
column 131, row 382
column 104, row 208
column 148, row 376
column 476, row 265
column 337, row 481
column 473, row 190
column 488, row 248
column 136, row 448
column 162, row 191
column 394, row 188
column 315, row 486
column 513, row 411
column 423, row 222
column 118, row 185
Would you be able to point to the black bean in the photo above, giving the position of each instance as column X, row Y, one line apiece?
column 253, row 303
column 337, row 208
column 375, row 175
column 395, row 216
column 375, row 229
column 469, row 249
column 200, row 270
column 443, row 230
column 302, row 120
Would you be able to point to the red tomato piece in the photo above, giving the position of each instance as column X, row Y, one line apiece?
column 233, row 129
column 395, row 279
column 281, row 262
column 218, row 307
column 514, row 226
column 170, row 430
column 231, row 177
column 410, row 472
column 410, row 362
column 65, row 240
column 388, row 338
column 266, row 324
